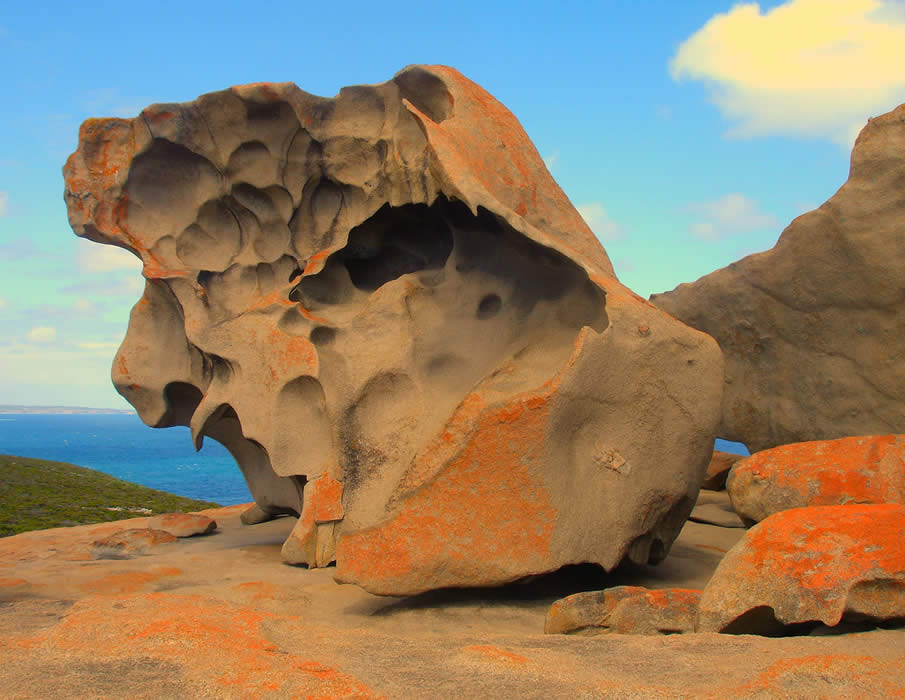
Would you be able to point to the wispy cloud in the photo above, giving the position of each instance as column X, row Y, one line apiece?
column 4, row 202
column 95, row 257
column 95, row 346
column 809, row 68
column 551, row 159
column 600, row 222
column 3, row 303
column 719, row 218
column 42, row 334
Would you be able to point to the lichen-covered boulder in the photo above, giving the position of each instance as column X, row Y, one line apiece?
column 867, row 469
column 818, row 564
column 625, row 610
column 812, row 329
column 392, row 316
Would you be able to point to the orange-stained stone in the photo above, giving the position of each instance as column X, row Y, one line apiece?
column 867, row 469
column 496, row 654
column 127, row 582
column 486, row 500
column 811, row 564
column 183, row 524
column 131, row 542
column 625, row 610
column 718, row 469
column 211, row 642
column 311, row 541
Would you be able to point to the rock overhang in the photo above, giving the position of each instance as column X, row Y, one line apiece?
column 341, row 290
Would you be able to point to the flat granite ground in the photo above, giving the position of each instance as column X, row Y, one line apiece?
column 220, row 616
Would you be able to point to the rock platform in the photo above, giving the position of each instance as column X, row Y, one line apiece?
column 220, row 616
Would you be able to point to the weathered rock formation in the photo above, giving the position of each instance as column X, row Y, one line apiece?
column 391, row 315
column 718, row 470
column 625, row 610
column 820, row 564
column 812, row 329
column 866, row 469
column 131, row 542
column 217, row 618
column 183, row 524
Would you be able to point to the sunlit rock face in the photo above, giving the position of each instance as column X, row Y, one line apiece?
column 395, row 320
column 813, row 329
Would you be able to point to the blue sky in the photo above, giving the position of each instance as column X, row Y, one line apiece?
column 689, row 134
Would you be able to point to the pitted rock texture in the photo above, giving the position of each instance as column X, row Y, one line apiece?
column 625, row 610
column 820, row 564
column 391, row 315
column 866, row 469
column 812, row 329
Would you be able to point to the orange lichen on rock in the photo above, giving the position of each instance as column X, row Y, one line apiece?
column 487, row 499
column 625, row 610
column 494, row 653
column 866, row 469
column 381, row 286
column 811, row 564
column 183, row 524
column 210, row 642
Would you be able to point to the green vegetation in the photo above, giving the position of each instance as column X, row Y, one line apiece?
column 37, row 494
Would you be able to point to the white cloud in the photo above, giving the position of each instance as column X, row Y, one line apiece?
column 551, row 159
column 815, row 68
column 734, row 213
column 42, row 334
column 84, row 306
column 600, row 222
column 4, row 202
column 95, row 257
column 94, row 346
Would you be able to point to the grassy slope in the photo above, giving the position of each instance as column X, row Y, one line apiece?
column 37, row 494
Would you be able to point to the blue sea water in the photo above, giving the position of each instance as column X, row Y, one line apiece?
column 124, row 447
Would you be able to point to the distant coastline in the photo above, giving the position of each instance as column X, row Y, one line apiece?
column 62, row 410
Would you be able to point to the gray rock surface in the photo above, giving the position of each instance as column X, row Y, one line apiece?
column 812, row 329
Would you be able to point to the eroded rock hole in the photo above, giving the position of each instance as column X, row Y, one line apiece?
column 181, row 401
column 489, row 306
column 396, row 241
column 323, row 335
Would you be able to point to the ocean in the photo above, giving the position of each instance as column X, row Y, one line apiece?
column 124, row 447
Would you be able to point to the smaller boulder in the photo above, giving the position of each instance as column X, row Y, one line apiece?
column 625, row 610
column 183, row 524
column 134, row 542
column 868, row 469
column 715, row 508
column 718, row 469
column 823, row 564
